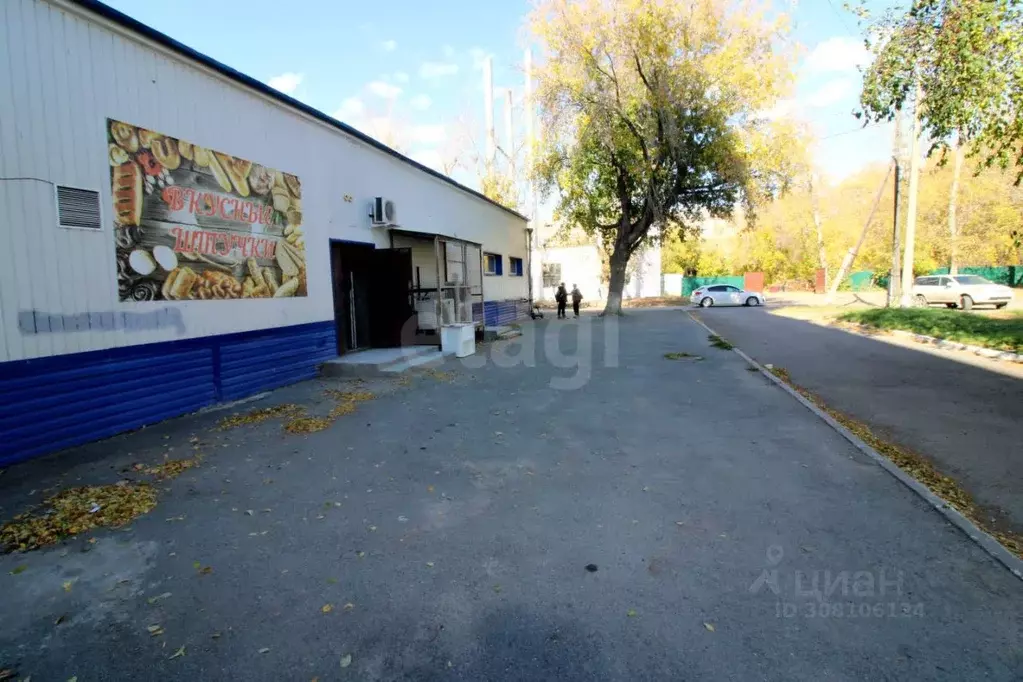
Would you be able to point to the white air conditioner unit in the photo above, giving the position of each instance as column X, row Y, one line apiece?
column 383, row 212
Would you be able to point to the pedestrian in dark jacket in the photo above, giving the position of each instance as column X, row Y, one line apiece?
column 577, row 298
column 561, row 296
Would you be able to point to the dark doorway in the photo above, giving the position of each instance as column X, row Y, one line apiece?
column 390, row 296
column 371, row 294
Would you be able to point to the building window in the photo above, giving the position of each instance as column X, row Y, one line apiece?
column 514, row 266
column 551, row 275
column 492, row 264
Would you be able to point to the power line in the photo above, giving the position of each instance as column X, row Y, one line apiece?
column 841, row 17
column 848, row 132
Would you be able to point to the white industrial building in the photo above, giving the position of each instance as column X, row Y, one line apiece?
column 177, row 233
column 581, row 265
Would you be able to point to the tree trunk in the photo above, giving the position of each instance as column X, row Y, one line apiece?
column 822, row 258
column 953, row 202
column 616, row 281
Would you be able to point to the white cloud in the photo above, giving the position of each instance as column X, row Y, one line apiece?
column 832, row 92
column 428, row 134
column 350, row 109
column 437, row 69
column 478, row 55
column 385, row 90
column 286, row 82
column 838, row 54
column 400, row 77
column 449, row 51
column 389, row 45
column 827, row 95
column 421, row 102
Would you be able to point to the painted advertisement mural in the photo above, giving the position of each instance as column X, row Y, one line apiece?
column 192, row 223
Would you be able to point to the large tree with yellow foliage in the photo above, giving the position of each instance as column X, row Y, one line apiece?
column 651, row 115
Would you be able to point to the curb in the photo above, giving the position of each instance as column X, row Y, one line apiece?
column 944, row 344
column 952, row 515
column 990, row 353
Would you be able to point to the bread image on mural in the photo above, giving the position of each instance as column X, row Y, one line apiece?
column 194, row 224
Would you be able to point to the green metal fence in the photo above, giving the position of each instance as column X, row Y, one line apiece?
column 691, row 284
column 1010, row 275
column 858, row 281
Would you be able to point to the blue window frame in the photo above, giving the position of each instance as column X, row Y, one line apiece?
column 492, row 264
column 514, row 266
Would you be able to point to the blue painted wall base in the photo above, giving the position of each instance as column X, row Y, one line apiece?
column 497, row 313
column 60, row 401
column 64, row 400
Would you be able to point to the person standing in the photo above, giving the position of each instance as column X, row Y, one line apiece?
column 561, row 296
column 577, row 298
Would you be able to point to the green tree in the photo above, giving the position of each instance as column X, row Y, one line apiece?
column 650, row 115
column 967, row 57
column 500, row 187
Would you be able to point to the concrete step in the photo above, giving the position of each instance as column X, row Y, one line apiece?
column 429, row 360
column 380, row 362
column 500, row 332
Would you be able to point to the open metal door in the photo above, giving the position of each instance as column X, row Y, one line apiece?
column 390, row 294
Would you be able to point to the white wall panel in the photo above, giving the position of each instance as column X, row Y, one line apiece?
column 67, row 72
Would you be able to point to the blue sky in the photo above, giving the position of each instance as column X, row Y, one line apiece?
column 409, row 72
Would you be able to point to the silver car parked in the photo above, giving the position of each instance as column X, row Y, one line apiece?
column 725, row 294
column 960, row 291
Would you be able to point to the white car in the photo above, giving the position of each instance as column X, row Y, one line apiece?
column 725, row 294
column 960, row 291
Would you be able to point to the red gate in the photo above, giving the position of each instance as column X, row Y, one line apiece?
column 753, row 281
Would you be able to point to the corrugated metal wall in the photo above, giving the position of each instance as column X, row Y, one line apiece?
column 67, row 375
column 256, row 362
column 54, row 403
column 495, row 313
column 66, row 72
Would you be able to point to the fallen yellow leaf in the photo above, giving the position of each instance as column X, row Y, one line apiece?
column 709, row 626
column 153, row 600
column 67, row 585
column 346, row 660
column 349, row 606
column 327, row 608
column 179, row 652
column 75, row 511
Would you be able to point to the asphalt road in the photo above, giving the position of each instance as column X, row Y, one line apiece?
column 962, row 412
column 449, row 525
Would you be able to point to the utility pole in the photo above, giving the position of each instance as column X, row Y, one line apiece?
column 509, row 133
column 488, row 113
column 893, row 278
column 953, row 204
column 850, row 255
column 528, row 112
column 906, row 299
